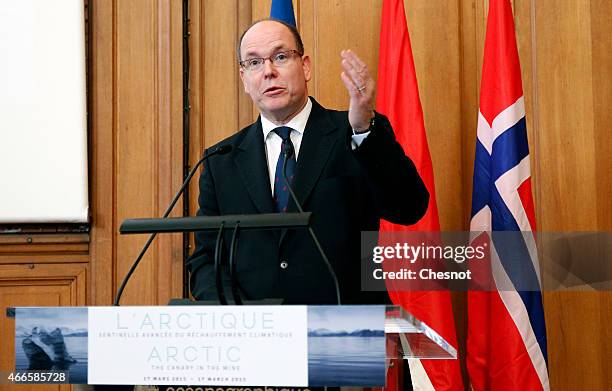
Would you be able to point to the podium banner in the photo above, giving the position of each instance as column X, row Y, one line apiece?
column 299, row 346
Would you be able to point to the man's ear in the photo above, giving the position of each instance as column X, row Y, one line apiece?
column 244, row 84
column 306, row 67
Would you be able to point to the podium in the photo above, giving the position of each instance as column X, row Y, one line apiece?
column 219, row 345
column 238, row 346
column 410, row 337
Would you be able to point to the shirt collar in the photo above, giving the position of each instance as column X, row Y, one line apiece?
column 297, row 123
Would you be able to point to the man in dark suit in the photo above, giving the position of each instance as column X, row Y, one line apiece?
column 346, row 168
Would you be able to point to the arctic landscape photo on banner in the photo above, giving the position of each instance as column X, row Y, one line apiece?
column 346, row 346
column 52, row 339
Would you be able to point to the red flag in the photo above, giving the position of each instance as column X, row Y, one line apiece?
column 398, row 99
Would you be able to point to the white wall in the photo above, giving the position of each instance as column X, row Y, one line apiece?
column 43, row 132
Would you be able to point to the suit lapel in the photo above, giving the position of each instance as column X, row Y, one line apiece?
column 317, row 143
column 253, row 168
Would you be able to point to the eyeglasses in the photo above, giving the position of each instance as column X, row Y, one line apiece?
column 279, row 59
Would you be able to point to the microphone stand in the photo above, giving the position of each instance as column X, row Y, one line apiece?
column 233, row 263
column 222, row 150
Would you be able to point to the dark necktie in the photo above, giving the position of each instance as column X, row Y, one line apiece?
column 281, row 193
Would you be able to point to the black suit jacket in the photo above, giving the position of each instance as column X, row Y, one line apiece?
column 347, row 191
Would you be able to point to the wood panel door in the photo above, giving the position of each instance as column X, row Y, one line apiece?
column 33, row 285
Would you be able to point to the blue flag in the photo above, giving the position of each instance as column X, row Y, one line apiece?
column 283, row 10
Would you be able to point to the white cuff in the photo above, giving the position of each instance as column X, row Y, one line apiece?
column 358, row 138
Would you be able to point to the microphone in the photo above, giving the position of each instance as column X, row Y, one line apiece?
column 220, row 150
column 288, row 151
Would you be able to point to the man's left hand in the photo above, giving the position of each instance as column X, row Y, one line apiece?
column 361, row 88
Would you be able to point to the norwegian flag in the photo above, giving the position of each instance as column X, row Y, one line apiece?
column 506, row 345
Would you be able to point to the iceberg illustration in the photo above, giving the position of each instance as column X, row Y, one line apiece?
column 46, row 350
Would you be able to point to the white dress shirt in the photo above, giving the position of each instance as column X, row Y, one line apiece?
column 298, row 123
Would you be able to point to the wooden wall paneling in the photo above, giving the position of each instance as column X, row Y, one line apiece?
column 247, row 112
column 260, row 9
column 573, row 62
column 307, row 27
column 219, row 106
column 102, row 162
column 149, row 116
column 601, row 49
column 68, row 280
column 137, row 126
column 567, row 139
column 136, row 140
column 578, row 350
column 202, row 132
column 44, row 248
column 220, row 70
column 170, row 146
column 197, row 51
column 601, row 26
column 434, row 34
column 215, row 86
column 51, row 258
column 605, row 303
